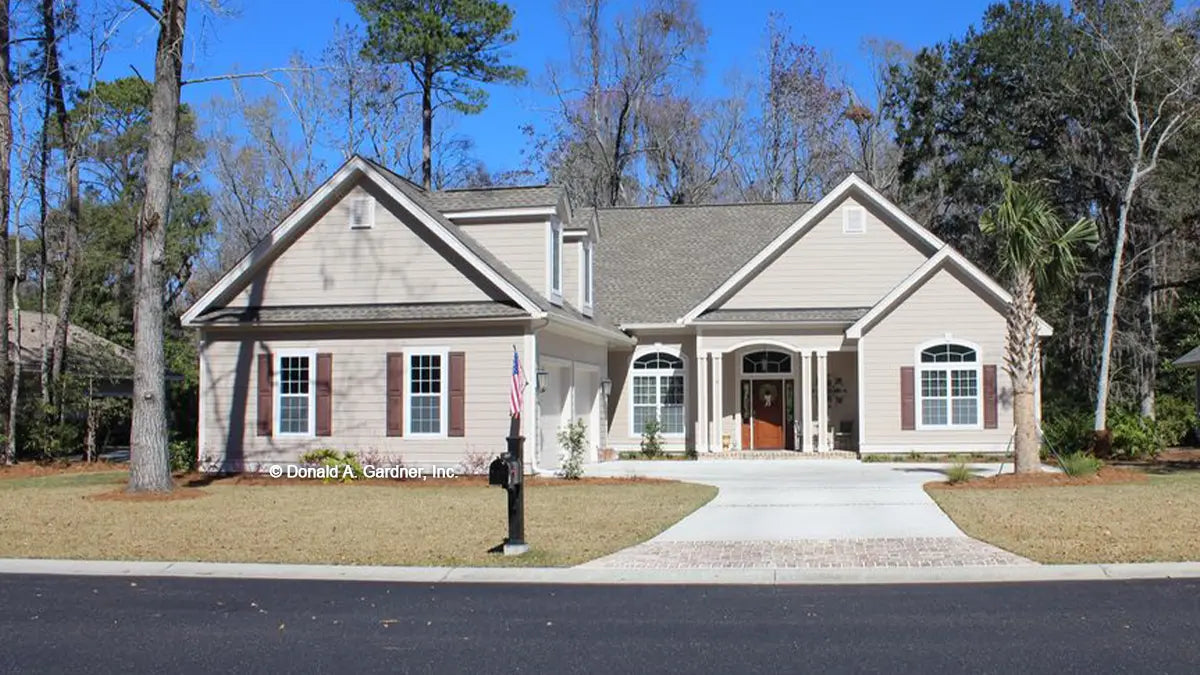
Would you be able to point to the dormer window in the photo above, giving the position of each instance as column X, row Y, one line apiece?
column 362, row 212
column 555, row 261
column 854, row 220
column 585, row 276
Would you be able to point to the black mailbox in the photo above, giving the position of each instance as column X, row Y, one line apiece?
column 498, row 472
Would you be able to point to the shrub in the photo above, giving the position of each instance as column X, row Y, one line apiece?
column 690, row 452
column 475, row 463
column 1067, row 431
column 333, row 458
column 651, row 439
column 573, row 439
column 959, row 472
column 1134, row 435
column 378, row 459
column 183, row 456
column 1175, row 417
column 1079, row 464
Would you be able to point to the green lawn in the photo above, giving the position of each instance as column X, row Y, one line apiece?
column 1156, row 521
column 361, row 524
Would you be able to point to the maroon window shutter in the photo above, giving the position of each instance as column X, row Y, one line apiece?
column 456, row 417
column 908, row 404
column 265, row 395
column 324, row 394
column 395, row 394
column 989, row 397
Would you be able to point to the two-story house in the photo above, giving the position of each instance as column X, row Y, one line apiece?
column 378, row 317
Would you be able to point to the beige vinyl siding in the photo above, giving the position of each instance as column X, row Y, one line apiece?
column 520, row 246
column 946, row 304
column 332, row 264
column 620, row 436
column 229, row 404
column 828, row 268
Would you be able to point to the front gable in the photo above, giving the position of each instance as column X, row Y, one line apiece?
column 850, row 255
column 827, row 259
column 408, row 254
column 394, row 260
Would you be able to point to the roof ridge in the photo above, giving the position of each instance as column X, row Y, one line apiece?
column 646, row 207
column 495, row 188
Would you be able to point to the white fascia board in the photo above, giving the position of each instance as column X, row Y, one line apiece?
column 801, row 225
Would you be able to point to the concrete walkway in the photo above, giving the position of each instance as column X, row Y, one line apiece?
column 793, row 514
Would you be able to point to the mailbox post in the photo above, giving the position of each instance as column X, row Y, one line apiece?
column 508, row 471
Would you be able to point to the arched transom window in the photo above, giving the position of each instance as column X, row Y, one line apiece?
column 950, row 392
column 658, row 393
column 766, row 362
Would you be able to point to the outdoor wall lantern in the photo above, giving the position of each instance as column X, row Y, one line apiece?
column 543, row 378
column 606, row 387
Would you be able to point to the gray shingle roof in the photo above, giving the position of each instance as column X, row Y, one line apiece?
column 87, row 354
column 845, row 315
column 448, row 201
column 654, row 264
column 355, row 313
column 1191, row 358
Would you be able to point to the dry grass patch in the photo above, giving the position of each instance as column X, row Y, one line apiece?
column 339, row 524
column 1152, row 521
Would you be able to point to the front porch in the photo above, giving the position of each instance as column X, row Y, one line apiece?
column 774, row 397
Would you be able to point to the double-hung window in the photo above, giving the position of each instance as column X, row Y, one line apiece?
column 295, row 387
column 425, row 383
column 658, row 393
column 949, row 379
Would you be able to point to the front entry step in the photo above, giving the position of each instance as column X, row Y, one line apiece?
column 778, row 454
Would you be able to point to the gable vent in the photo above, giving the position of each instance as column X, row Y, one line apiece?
column 854, row 220
column 362, row 212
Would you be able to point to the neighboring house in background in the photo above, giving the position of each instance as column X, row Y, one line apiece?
column 1192, row 360
column 381, row 317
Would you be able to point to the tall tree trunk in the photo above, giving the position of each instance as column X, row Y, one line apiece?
column 14, row 395
column 66, row 273
column 7, row 454
column 427, row 124
column 149, row 465
column 1104, row 378
column 1149, row 344
column 1021, row 358
column 44, row 252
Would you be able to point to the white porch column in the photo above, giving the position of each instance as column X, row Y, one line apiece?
column 701, row 401
column 718, row 379
column 806, row 400
column 796, row 429
column 823, row 400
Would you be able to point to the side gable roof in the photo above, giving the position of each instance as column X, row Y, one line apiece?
column 802, row 225
column 482, row 199
column 655, row 263
column 409, row 198
column 944, row 258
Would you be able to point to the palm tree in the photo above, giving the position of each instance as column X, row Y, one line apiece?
column 1038, row 252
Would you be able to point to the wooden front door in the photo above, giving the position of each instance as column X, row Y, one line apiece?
column 763, row 428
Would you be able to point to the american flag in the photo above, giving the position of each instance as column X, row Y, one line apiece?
column 518, row 384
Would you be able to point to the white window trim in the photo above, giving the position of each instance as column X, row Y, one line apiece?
column 277, row 377
column 444, row 395
column 657, row 373
column 587, row 277
column 947, row 367
column 554, row 276
column 855, row 209
column 369, row 221
column 740, row 354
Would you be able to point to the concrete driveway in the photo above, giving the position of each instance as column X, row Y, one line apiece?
column 826, row 513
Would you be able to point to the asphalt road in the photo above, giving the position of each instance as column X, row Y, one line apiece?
column 98, row 624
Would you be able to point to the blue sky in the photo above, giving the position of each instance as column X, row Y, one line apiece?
column 264, row 33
